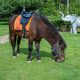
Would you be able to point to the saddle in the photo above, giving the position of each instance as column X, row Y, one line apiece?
column 18, row 25
column 25, row 17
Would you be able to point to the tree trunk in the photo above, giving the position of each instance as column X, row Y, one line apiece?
column 67, row 7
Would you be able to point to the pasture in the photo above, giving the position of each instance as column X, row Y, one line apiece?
column 3, row 29
column 20, row 69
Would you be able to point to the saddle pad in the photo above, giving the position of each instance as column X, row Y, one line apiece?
column 18, row 26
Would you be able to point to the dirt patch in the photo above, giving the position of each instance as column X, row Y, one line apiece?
column 4, row 39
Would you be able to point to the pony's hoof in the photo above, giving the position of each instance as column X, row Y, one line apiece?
column 29, row 61
column 18, row 54
column 59, row 61
column 14, row 57
column 38, row 60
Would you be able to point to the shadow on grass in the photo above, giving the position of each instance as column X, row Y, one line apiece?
column 42, row 53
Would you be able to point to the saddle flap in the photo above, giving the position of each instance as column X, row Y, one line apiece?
column 18, row 25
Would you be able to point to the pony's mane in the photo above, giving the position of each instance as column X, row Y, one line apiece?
column 49, row 24
column 53, row 28
column 46, row 21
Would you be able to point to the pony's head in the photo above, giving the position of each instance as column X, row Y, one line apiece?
column 58, row 51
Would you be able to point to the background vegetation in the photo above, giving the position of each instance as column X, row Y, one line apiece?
column 49, row 8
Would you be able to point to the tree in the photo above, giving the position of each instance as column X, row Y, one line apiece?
column 46, row 7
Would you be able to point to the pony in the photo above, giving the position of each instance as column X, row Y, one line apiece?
column 40, row 27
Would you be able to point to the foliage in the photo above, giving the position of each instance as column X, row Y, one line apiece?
column 75, row 7
column 63, row 26
column 6, row 7
column 49, row 8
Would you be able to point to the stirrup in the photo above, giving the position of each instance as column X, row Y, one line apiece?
column 23, row 36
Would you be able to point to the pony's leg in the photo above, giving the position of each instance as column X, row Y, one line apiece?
column 18, row 44
column 13, row 43
column 30, row 47
column 57, row 56
column 37, row 45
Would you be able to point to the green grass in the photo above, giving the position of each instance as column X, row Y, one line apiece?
column 20, row 69
column 4, row 29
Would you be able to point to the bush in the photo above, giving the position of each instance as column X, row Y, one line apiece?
column 62, row 26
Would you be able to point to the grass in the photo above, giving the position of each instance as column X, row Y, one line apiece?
column 3, row 29
column 20, row 69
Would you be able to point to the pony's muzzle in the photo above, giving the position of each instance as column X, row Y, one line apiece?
column 59, row 58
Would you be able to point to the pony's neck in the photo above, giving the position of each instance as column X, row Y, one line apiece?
column 54, row 38
column 51, row 37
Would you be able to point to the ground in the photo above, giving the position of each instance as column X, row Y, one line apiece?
column 20, row 69
column 4, row 39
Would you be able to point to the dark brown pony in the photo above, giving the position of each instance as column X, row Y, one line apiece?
column 40, row 28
